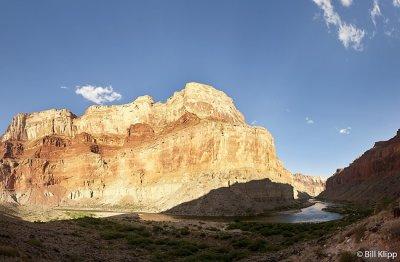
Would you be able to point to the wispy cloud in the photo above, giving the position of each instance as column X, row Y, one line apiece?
column 346, row 3
column 375, row 11
column 348, row 34
column 351, row 36
column 389, row 32
column 98, row 94
column 330, row 16
column 396, row 3
column 64, row 87
column 309, row 121
column 253, row 122
column 345, row 131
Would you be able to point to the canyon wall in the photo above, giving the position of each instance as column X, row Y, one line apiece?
column 373, row 176
column 308, row 186
column 240, row 199
column 145, row 155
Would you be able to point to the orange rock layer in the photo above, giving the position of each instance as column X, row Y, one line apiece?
column 149, row 156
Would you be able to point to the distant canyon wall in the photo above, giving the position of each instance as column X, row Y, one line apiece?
column 308, row 186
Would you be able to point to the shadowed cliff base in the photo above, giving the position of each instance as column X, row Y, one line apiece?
column 239, row 199
column 367, row 191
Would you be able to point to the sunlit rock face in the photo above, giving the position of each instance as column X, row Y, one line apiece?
column 145, row 155
column 307, row 186
column 33, row 126
column 370, row 178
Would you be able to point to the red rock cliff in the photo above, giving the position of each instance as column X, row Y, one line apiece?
column 371, row 177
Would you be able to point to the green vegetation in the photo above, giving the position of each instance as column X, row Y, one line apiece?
column 251, row 245
column 358, row 232
column 78, row 214
column 108, row 235
column 191, row 251
column 161, row 242
column 217, row 255
column 394, row 229
column 6, row 251
column 364, row 210
column 35, row 242
column 89, row 221
column 384, row 203
column 352, row 211
column 184, row 231
column 170, row 243
column 347, row 257
column 289, row 233
column 293, row 233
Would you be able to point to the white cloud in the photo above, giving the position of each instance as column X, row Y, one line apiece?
column 386, row 20
column 309, row 121
column 345, row 131
column 351, row 36
column 330, row 16
column 64, row 87
column 375, row 11
column 389, row 32
column 346, row 3
column 396, row 3
column 348, row 34
column 253, row 122
column 98, row 94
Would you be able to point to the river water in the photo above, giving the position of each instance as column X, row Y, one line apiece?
column 311, row 214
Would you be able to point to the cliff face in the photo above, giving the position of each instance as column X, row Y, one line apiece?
column 371, row 177
column 312, row 186
column 151, row 156
column 102, row 121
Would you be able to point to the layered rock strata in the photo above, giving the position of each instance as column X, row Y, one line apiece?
column 149, row 156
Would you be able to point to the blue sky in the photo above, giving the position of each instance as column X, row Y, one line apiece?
column 320, row 75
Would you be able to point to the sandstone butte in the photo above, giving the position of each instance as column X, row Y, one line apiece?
column 372, row 177
column 145, row 155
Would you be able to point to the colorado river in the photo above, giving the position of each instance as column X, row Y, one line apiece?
column 311, row 214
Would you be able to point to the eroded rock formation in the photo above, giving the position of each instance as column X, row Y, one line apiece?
column 149, row 156
column 373, row 176
column 308, row 186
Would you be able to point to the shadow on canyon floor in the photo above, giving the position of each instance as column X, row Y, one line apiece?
column 239, row 199
column 128, row 238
